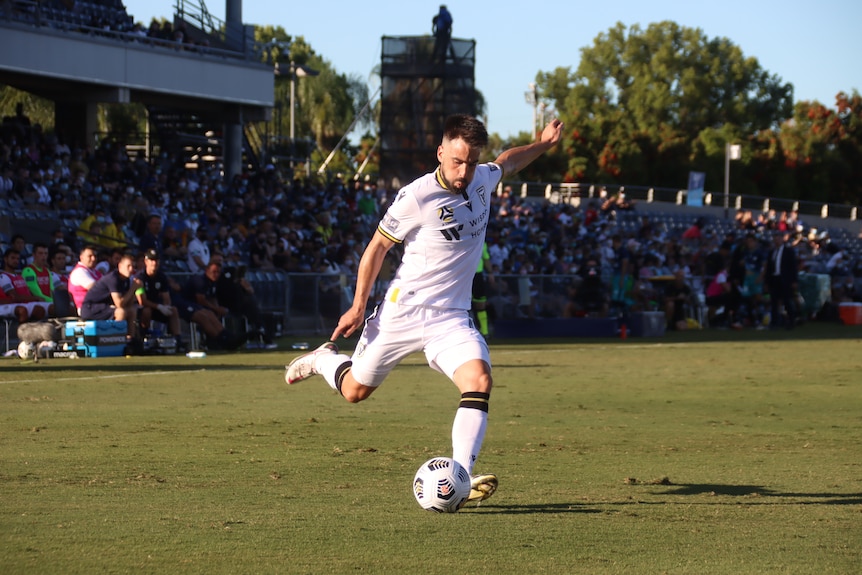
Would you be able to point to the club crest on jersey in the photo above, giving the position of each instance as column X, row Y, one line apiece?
column 481, row 192
column 446, row 214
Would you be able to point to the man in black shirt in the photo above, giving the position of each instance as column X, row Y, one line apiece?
column 154, row 297
column 202, row 297
column 113, row 296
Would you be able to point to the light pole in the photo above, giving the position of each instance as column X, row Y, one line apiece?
column 731, row 152
column 532, row 98
column 296, row 71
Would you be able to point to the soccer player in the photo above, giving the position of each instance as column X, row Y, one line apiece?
column 440, row 219
column 37, row 275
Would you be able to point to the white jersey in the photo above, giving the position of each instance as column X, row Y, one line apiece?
column 443, row 233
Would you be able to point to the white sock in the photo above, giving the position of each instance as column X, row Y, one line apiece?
column 326, row 364
column 468, row 431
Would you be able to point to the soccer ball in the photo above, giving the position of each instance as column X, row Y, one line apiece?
column 442, row 485
column 26, row 350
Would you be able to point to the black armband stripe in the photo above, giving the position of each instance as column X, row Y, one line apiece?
column 340, row 373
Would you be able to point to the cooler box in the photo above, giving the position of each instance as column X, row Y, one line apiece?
column 101, row 338
column 850, row 313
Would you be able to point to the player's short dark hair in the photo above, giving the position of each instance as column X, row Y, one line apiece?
column 467, row 128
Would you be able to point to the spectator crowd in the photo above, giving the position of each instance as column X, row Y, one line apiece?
column 604, row 255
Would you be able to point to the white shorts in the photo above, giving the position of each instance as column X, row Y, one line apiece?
column 446, row 336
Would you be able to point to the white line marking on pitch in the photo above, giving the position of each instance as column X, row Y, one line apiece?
column 116, row 376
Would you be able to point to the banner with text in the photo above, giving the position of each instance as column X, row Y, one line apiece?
column 695, row 188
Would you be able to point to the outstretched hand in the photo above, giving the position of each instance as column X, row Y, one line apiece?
column 553, row 132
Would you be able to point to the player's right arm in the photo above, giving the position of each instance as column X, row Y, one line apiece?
column 369, row 267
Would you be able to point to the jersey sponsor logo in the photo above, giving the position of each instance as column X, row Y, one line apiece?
column 478, row 221
column 390, row 222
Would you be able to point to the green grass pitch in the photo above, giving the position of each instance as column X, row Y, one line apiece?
column 697, row 453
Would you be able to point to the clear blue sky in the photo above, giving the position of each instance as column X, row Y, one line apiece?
column 814, row 45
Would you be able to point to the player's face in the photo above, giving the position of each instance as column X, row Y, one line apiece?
column 13, row 261
column 88, row 258
column 40, row 257
column 126, row 268
column 458, row 163
column 59, row 260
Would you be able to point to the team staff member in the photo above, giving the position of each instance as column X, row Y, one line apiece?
column 113, row 296
column 440, row 219
column 154, row 297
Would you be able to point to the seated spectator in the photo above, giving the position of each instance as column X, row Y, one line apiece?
column 172, row 244
column 114, row 233
column 91, row 230
column 112, row 297
column 721, row 294
column 24, row 255
column 677, row 295
column 234, row 292
column 151, row 238
column 590, row 296
column 108, row 260
column 16, row 300
column 260, row 255
column 201, row 290
column 83, row 276
column 695, row 231
column 198, row 251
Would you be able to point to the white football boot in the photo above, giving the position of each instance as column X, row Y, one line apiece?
column 303, row 366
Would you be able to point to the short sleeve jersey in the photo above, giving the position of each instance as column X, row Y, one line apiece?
column 443, row 234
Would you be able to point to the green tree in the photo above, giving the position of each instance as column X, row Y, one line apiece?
column 640, row 99
column 822, row 147
column 39, row 110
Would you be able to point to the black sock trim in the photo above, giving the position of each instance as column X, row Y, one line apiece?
column 340, row 373
column 475, row 400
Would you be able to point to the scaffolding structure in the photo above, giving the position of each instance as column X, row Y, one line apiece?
column 420, row 87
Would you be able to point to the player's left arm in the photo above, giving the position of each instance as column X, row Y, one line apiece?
column 516, row 159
